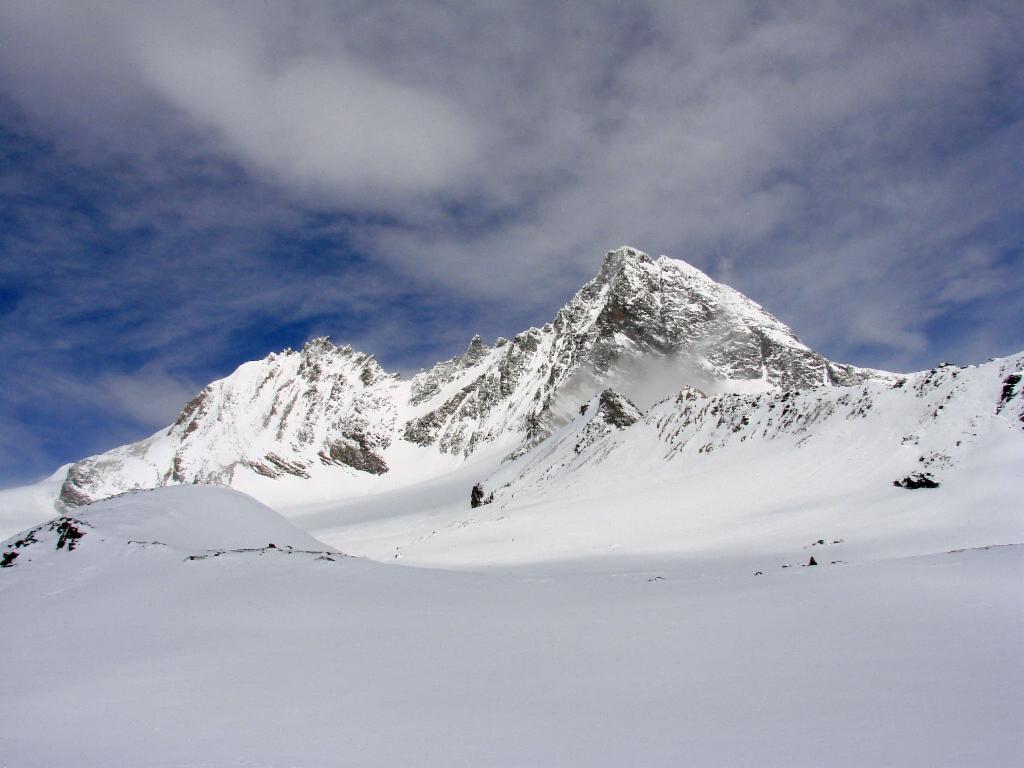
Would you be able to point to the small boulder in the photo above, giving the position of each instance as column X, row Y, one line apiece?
column 477, row 497
column 917, row 480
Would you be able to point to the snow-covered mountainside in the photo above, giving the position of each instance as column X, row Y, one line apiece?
column 645, row 327
column 735, row 574
column 921, row 464
column 161, row 629
column 919, row 427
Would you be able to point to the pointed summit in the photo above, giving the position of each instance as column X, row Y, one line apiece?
column 318, row 344
column 643, row 327
column 617, row 260
column 475, row 352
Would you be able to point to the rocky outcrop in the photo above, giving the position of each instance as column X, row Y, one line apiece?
column 608, row 413
column 354, row 450
column 916, row 480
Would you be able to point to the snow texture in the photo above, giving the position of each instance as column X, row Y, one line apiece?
column 127, row 650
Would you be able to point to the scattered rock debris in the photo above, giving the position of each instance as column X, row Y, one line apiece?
column 321, row 555
column 825, row 542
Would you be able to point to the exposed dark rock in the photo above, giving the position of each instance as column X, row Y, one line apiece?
column 424, row 430
column 354, row 450
column 71, row 490
column 618, row 410
column 68, row 532
column 178, row 468
column 270, row 548
column 287, row 467
column 917, row 480
column 262, row 469
column 475, row 352
column 193, row 411
column 26, row 540
column 613, row 412
column 12, row 552
column 478, row 498
column 1009, row 391
column 812, row 561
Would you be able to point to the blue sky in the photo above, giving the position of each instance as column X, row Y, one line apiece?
column 186, row 186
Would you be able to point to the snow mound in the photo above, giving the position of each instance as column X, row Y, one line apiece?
column 190, row 519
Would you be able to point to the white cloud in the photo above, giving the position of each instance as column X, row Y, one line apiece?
column 825, row 151
column 317, row 122
column 151, row 396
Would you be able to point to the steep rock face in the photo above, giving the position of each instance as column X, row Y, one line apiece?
column 283, row 415
column 607, row 413
column 644, row 327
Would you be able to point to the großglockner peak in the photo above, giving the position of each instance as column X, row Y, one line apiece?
column 329, row 414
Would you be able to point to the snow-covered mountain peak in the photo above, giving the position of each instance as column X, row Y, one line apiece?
column 621, row 259
column 642, row 327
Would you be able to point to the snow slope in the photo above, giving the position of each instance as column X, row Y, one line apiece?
column 125, row 652
column 328, row 422
column 745, row 482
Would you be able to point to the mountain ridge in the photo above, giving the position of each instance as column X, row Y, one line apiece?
column 642, row 326
column 922, row 464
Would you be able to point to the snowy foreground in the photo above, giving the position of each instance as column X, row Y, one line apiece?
column 636, row 589
column 124, row 651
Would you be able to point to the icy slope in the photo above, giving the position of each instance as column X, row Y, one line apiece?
column 332, row 416
column 747, row 482
column 125, row 652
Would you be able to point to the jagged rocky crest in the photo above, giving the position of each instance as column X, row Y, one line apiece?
column 606, row 413
column 927, row 423
column 643, row 326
